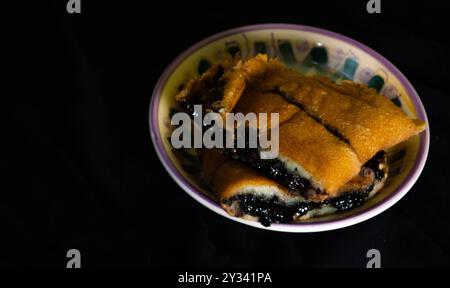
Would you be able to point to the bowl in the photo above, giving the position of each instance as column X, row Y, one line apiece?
column 311, row 51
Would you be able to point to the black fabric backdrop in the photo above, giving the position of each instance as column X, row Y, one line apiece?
column 80, row 170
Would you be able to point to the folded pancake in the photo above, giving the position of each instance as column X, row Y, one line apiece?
column 235, row 184
column 366, row 120
column 221, row 86
column 242, row 192
column 230, row 177
column 311, row 160
column 308, row 148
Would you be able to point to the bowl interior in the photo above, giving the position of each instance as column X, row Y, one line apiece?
column 311, row 51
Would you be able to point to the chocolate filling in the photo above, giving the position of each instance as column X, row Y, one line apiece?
column 273, row 169
column 270, row 210
column 274, row 210
column 374, row 164
column 349, row 200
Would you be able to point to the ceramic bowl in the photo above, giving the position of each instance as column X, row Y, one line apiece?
column 311, row 51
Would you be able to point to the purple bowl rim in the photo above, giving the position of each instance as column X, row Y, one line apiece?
column 418, row 105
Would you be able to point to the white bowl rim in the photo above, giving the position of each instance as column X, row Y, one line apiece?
column 299, row 227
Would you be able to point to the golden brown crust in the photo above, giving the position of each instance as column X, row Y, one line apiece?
column 371, row 97
column 368, row 128
column 304, row 141
column 265, row 102
column 369, row 121
column 330, row 162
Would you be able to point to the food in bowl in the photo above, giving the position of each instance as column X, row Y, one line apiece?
column 332, row 138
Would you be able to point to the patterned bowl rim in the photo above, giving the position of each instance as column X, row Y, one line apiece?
column 324, row 225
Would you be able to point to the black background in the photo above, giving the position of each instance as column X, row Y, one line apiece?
column 80, row 170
